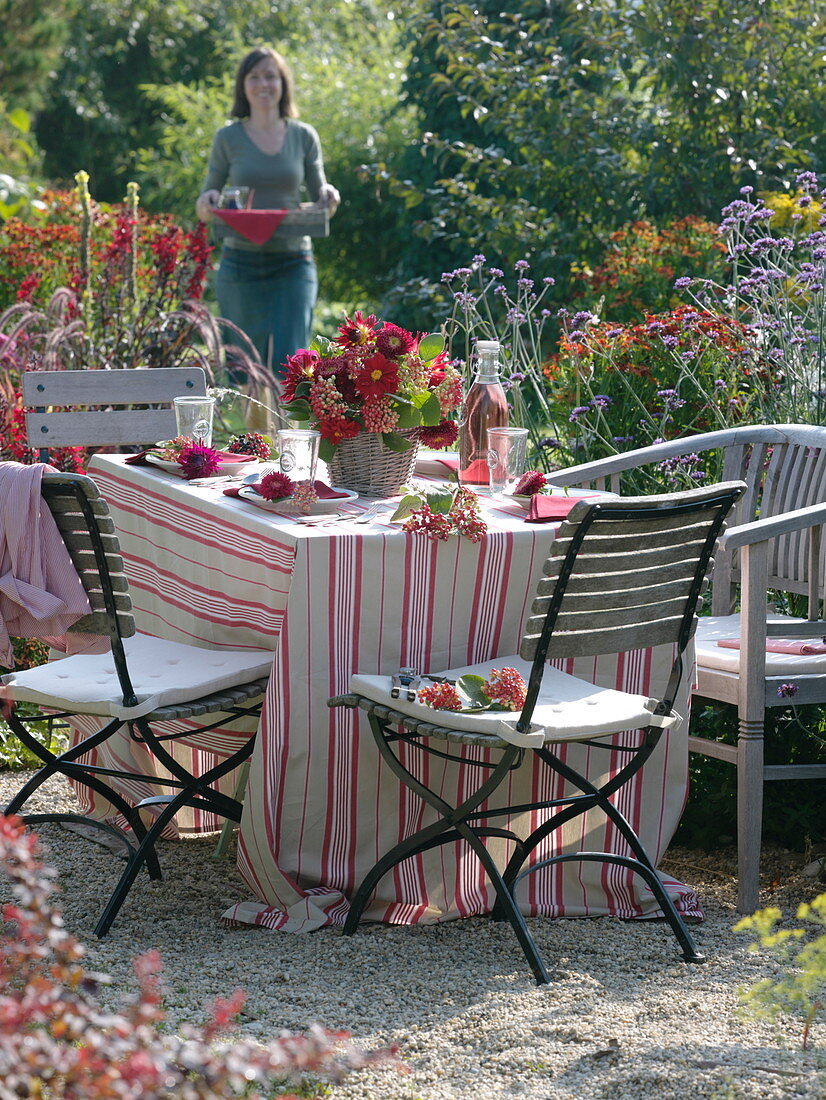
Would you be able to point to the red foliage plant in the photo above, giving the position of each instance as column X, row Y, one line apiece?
column 57, row 1041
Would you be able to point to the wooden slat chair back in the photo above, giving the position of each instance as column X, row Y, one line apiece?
column 633, row 577
column 773, row 545
column 95, row 552
column 784, row 472
column 62, row 399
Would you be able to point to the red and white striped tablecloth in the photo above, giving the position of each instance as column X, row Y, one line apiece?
column 320, row 808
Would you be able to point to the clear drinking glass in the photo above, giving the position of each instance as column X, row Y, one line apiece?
column 298, row 453
column 507, row 450
column 234, row 198
column 193, row 416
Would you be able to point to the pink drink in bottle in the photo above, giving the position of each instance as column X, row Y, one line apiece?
column 485, row 407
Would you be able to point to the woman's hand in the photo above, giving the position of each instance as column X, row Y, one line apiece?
column 328, row 198
column 206, row 203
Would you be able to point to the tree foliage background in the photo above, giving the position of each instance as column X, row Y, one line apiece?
column 450, row 128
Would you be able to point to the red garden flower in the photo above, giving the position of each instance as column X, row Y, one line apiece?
column 337, row 428
column 357, row 330
column 530, row 483
column 275, row 486
column 441, row 435
column 393, row 341
column 198, row 461
column 378, row 376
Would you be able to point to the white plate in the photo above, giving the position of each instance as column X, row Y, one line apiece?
column 226, row 469
column 319, row 508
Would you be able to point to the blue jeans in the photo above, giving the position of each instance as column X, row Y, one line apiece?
column 269, row 296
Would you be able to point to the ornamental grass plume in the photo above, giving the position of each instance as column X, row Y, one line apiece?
column 57, row 1041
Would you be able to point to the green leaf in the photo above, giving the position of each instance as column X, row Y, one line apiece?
column 395, row 442
column 409, row 416
column 439, row 499
column 20, row 120
column 406, row 506
column 431, row 410
column 297, row 410
column 326, row 450
column 431, row 345
column 321, row 344
column 470, row 687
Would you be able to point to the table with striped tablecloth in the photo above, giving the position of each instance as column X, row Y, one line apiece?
column 320, row 808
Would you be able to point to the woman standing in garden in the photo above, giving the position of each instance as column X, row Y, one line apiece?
column 268, row 290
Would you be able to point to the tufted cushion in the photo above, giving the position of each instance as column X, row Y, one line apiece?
column 712, row 628
column 568, row 709
column 163, row 673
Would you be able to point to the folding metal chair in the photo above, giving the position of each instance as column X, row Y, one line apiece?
column 622, row 575
column 141, row 682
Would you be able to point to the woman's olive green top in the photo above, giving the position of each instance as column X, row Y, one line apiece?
column 276, row 178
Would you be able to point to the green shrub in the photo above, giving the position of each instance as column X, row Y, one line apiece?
column 792, row 810
column 801, row 988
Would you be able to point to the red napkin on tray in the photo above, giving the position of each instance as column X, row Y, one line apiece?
column 256, row 225
column 323, row 491
column 543, row 508
column 780, row 645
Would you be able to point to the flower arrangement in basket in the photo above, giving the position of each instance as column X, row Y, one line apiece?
column 374, row 393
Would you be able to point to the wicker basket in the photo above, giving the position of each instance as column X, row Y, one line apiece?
column 366, row 466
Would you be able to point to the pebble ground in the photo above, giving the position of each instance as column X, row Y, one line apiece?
column 624, row 1017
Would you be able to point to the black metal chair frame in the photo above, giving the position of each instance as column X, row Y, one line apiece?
column 193, row 791
column 390, row 727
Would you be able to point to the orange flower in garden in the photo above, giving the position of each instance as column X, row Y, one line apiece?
column 378, row 376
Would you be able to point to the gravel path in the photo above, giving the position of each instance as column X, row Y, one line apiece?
column 624, row 1019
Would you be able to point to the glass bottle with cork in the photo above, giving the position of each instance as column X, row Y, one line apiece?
column 486, row 406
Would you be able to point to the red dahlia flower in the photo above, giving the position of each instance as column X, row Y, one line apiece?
column 378, row 376
column 530, row 483
column 441, row 435
column 394, row 341
column 357, row 330
column 275, row 486
column 198, row 461
column 338, row 428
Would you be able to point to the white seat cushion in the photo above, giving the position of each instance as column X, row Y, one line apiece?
column 163, row 673
column 568, row 709
column 714, row 628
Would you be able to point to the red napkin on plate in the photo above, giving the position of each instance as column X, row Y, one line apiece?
column 323, row 491
column 543, row 508
column 780, row 645
column 256, row 225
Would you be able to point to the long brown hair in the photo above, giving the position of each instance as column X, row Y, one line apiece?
column 286, row 105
